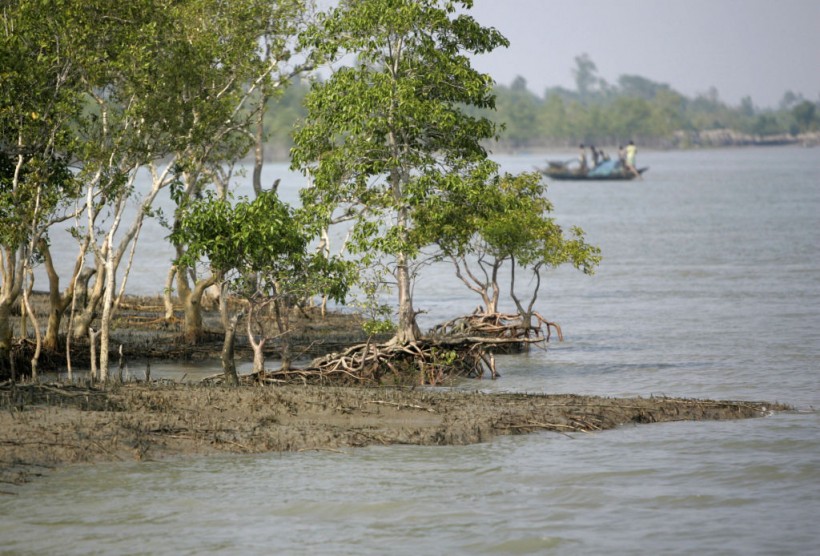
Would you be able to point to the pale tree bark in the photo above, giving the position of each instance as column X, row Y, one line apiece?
column 223, row 305
column 10, row 289
column 11, row 282
column 59, row 303
column 28, row 275
column 486, row 287
column 35, row 324
column 259, row 146
column 282, row 312
column 108, row 255
column 324, row 248
column 525, row 311
column 167, row 294
column 228, row 345
column 257, row 345
column 92, row 343
column 91, row 302
column 191, row 301
column 191, row 297
column 80, row 292
column 84, row 315
column 407, row 330
column 107, row 308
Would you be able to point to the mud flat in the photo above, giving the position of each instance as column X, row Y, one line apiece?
column 44, row 426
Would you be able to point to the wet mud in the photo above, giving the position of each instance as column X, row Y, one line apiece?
column 45, row 426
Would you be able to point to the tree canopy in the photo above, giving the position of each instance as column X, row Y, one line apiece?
column 386, row 136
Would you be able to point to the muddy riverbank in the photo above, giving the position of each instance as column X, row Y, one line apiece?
column 45, row 426
column 141, row 333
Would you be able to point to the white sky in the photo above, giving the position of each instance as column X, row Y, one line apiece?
column 759, row 48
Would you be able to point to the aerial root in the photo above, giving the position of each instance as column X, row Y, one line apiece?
column 510, row 328
column 424, row 361
column 460, row 348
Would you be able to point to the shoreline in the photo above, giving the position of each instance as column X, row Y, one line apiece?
column 712, row 139
column 45, row 426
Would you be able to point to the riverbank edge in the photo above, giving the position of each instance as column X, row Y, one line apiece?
column 49, row 426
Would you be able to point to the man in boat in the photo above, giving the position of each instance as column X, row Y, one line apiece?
column 582, row 160
column 631, row 154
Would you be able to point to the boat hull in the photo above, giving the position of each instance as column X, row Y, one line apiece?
column 570, row 176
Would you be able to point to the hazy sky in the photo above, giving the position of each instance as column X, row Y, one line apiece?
column 759, row 48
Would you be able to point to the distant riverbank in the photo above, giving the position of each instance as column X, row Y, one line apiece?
column 683, row 140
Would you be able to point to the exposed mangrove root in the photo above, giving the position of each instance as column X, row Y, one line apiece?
column 420, row 362
column 460, row 348
column 504, row 326
column 429, row 361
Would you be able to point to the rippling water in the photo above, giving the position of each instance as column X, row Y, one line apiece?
column 710, row 287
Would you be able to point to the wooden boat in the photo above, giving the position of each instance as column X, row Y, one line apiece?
column 606, row 170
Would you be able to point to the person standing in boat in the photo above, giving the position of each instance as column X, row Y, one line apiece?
column 582, row 160
column 631, row 154
column 596, row 155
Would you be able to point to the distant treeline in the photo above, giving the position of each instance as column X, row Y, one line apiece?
column 596, row 112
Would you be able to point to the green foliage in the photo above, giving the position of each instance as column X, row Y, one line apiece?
column 634, row 108
column 517, row 225
column 375, row 326
column 282, row 114
column 805, row 116
column 508, row 220
column 386, row 138
column 39, row 97
column 445, row 357
column 368, row 302
column 174, row 74
column 397, row 110
column 260, row 245
column 30, row 195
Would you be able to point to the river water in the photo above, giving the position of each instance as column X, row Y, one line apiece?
column 709, row 288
